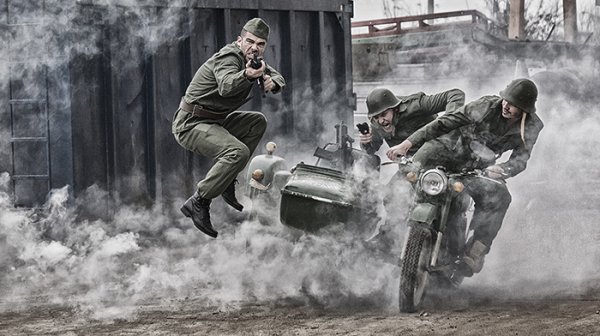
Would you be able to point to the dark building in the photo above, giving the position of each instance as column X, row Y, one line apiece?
column 88, row 89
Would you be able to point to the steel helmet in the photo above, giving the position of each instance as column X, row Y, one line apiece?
column 521, row 93
column 379, row 100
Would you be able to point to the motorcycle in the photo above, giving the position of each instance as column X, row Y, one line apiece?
column 436, row 236
column 312, row 197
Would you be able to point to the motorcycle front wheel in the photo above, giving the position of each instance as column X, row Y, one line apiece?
column 414, row 268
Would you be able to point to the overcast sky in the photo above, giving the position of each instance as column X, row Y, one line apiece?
column 373, row 9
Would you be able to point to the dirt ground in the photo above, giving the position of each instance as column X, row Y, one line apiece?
column 468, row 312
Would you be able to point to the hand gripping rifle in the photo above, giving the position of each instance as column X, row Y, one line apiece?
column 256, row 64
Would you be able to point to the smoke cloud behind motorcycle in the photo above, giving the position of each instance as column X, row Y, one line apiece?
column 107, row 268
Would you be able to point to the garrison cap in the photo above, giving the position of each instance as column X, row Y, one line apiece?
column 257, row 27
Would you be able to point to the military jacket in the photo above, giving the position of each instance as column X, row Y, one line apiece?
column 482, row 121
column 414, row 111
column 220, row 86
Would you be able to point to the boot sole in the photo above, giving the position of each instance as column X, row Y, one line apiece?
column 204, row 230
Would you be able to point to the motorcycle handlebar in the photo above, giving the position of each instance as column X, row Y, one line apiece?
column 400, row 159
column 406, row 160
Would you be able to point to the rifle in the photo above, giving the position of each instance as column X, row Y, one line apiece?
column 341, row 157
column 256, row 64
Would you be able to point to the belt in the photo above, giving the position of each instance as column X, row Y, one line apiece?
column 200, row 111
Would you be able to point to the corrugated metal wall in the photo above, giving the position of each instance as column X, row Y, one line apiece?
column 88, row 89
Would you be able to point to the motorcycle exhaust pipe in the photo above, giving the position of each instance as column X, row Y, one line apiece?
column 436, row 249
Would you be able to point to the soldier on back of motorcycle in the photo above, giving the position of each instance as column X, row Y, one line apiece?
column 501, row 123
column 392, row 120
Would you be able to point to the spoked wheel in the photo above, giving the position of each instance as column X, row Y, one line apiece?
column 414, row 273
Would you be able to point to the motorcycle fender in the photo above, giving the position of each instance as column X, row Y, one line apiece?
column 424, row 213
column 270, row 166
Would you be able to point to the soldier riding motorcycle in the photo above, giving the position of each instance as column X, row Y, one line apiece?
column 491, row 124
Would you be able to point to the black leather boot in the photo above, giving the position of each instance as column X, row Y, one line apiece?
column 472, row 261
column 197, row 208
column 229, row 197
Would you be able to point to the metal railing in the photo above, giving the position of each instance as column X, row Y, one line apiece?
column 426, row 22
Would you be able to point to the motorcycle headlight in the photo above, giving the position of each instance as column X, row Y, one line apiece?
column 433, row 182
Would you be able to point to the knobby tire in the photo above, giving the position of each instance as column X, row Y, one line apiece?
column 414, row 274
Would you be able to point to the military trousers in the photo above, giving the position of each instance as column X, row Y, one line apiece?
column 491, row 197
column 229, row 143
column 492, row 200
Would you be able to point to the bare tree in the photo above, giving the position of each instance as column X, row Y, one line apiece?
column 542, row 20
column 499, row 10
column 395, row 8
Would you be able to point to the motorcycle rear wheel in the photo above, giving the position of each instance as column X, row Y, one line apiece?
column 414, row 268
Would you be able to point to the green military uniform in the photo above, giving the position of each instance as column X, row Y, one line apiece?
column 414, row 111
column 411, row 113
column 480, row 121
column 446, row 141
column 228, row 137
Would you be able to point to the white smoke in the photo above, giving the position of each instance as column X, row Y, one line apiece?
column 550, row 242
column 105, row 269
